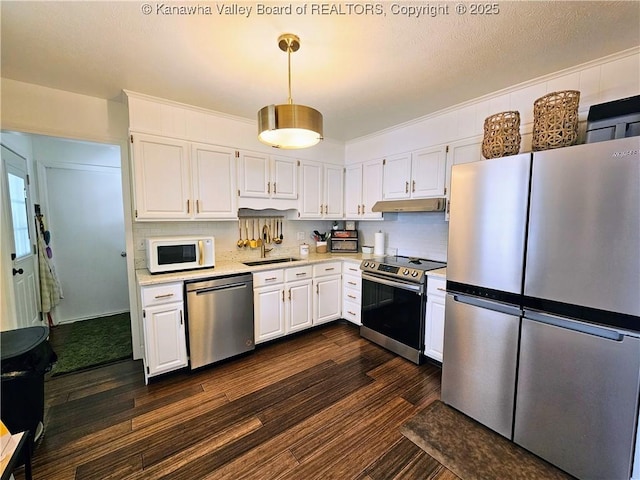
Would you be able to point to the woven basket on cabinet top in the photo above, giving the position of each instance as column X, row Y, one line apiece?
column 555, row 120
column 501, row 135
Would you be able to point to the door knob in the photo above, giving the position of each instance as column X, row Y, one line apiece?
column 17, row 272
column 123, row 254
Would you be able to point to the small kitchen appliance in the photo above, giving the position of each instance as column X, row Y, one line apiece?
column 170, row 254
column 394, row 303
column 344, row 241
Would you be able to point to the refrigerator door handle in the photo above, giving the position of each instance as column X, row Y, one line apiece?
column 575, row 325
column 488, row 304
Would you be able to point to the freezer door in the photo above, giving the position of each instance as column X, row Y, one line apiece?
column 479, row 364
column 584, row 227
column 487, row 223
column 577, row 399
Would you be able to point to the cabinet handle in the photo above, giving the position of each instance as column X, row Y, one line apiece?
column 181, row 320
column 363, row 210
column 197, row 206
column 165, row 295
column 289, row 294
column 329, row 269
column 270, row 279
column 274, row 188
column 351, row 313
column 358, row 209
column 352, row 283
column 414, row 186
column 326, row 209
column 188, row 207
column 283, row 296
column 321, row 208
column 406, row 187
column 268, row 187
column 448, row 206
column 353, row 269
column 318, row 289
column 302, row 274
column 351, row 296
column 441, row 289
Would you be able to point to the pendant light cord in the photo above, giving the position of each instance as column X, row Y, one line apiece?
column 290, row 100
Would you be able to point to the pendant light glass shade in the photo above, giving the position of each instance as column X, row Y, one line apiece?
column 289, row 126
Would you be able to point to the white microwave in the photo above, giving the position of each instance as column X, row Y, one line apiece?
column 170, row 254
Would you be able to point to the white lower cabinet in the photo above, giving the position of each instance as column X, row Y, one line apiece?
column 352, row 292
column 327, row 284
column 434, row 323
column 298, row 298
column 164, row 329
column 268, row 305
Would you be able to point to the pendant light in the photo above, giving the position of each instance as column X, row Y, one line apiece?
column 289, row 126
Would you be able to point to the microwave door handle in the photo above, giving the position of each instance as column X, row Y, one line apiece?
column 201, row 252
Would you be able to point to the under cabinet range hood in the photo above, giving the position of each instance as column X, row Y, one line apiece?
column 415, row 205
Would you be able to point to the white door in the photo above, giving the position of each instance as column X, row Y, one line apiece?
column 23, row 253
column 86, row 220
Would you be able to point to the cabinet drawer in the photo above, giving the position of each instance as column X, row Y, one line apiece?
column 268, row 278
column 330, row 268
column 355, row 283
column 436, row 286
column 352, row 269
column 160, row 294
column 352, row 312
column 298, row 273
column 351, row 295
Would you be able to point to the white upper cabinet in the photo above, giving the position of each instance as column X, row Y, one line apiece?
column 213, row 179
column 265, row 176
column 464, row 151
column 177, row 180
column 363, row 188
column 419, row 174
column 321, row 191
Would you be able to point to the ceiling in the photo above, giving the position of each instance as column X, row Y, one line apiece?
column 364, row 72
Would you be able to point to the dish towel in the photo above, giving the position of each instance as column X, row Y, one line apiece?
column 50, row 288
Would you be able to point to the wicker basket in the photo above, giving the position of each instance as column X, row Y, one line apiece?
column 501, row 135
column 555, row 120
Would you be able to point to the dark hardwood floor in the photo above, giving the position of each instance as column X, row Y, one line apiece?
column 324, row 404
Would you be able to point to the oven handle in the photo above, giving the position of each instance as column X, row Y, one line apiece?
column 393, row 283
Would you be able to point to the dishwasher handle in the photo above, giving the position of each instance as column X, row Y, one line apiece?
column 230, row 286
column 575, row 325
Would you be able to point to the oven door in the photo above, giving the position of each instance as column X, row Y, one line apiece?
column 394, row 309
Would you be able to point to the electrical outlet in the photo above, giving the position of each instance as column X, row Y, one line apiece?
column 300, row 235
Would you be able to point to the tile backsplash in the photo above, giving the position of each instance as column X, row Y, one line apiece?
column 422, row 235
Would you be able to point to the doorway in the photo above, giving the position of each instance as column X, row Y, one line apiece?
column 79, row 190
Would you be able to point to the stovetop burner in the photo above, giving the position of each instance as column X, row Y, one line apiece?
column 407, row 268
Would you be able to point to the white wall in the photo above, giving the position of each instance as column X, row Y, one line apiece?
column 610, row 78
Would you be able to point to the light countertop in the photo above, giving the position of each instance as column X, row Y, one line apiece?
column 440, row 272
column 232, row 267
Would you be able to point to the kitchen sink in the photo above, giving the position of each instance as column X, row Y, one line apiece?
column 269, row 261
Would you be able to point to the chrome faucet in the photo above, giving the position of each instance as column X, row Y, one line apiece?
column 265, row 235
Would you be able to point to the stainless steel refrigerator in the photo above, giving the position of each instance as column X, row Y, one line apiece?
column 542, row 328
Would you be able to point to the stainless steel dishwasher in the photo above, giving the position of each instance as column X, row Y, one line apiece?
column 219, row 318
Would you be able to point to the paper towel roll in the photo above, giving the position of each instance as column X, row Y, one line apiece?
column 378, row 245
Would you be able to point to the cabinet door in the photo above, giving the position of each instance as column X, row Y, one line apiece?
column 214, row 181
column 164, row 334
column 333, row 192
column 353, row 191
column 397, row 172
column 253, row 174
column 372, row 173
column 299, row 314
column 465, row 151
column 328, row 299
column 268, row 304
column 162, row 180
column 434, row 327
column 310, row 204
column 428, row 173
column 284, row 178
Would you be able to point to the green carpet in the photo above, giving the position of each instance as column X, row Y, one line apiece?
column 94, row 342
